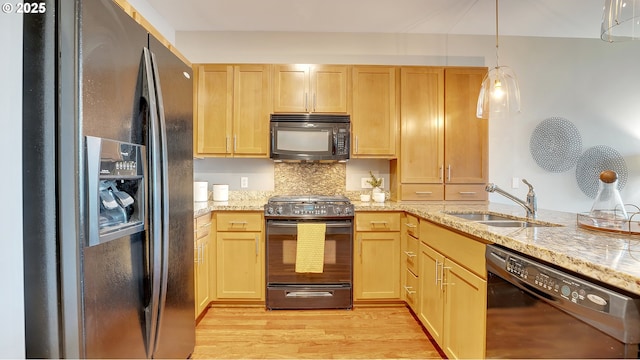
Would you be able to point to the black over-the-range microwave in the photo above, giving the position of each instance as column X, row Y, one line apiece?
column 310, row 137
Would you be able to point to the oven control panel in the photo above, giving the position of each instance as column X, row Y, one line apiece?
column 557, row 284
column 308, row 210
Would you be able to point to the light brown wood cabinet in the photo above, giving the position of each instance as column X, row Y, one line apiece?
column 233, row 104
column 444, row 147
column 240, row 258
column 466, row 137
column 374, row 120
column 452, row 291
column 311, row 88
column 376, row 268
column 202, row 262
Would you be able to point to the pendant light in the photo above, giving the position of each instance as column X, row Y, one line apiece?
column 620, row 20
column 499, row 93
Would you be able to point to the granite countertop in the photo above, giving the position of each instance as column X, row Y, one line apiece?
column 611, row 258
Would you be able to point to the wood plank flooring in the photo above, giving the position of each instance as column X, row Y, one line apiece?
column 361, row 333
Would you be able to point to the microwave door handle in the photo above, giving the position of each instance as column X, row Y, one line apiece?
column 334, row 147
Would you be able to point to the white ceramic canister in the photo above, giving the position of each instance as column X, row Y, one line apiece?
column 200, row 191
column 220, row 192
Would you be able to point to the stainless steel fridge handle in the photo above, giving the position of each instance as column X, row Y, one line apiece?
column 155, row 207
column 164, row 197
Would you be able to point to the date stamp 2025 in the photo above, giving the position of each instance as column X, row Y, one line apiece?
column 24, row 8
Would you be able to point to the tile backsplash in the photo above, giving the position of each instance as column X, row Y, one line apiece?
column 309, row 178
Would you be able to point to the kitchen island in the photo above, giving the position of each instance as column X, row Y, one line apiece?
column 613, row 259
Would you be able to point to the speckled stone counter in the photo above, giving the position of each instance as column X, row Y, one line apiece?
column 611, row 258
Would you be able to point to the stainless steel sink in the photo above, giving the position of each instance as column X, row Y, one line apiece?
column 514, row 223
column 481, row 216
column 499, row 220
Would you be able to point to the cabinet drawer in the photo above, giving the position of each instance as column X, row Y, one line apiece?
column 410, row 289
column 239, row 221
column 465, row 192
column 411, row 254
column 421, row 192
column 202, row 226
column 411, row 224
column 378, row 221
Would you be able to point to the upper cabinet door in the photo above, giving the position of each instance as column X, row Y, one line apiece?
column 214, row 109
column 466, row 142
column 374, row 121
column 422, row 125
column 329, row 88
column 310, row 88
column 290, row 88
column 251, row 110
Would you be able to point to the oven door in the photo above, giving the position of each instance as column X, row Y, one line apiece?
column 281, row 253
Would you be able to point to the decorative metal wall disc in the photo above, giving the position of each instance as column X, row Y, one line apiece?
column 594, row 161
column 555, row 144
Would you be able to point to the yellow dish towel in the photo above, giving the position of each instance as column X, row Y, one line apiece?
column 310, row 247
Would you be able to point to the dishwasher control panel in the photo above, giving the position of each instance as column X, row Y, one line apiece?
column 552, row 282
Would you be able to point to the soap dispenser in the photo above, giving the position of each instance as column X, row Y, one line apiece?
column 608, row 209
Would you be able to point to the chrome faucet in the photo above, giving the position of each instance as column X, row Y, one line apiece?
column 531, row 205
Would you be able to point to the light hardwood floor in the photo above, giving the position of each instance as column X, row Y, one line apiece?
column 361, row 333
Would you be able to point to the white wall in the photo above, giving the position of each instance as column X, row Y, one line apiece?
column 12, row 342
column 587, row 81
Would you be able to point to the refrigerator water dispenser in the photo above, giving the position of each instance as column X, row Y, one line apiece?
column 116, row 189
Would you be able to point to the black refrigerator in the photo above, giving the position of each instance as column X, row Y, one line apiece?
column 108, row 179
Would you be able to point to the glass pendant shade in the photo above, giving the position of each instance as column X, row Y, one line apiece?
column 499, row 93
column 620, row 20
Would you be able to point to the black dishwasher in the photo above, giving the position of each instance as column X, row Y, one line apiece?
column 535, row 310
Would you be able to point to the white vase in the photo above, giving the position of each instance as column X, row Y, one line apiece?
column 378, row 197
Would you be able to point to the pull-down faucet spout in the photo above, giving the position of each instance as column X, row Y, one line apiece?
column 530, row 205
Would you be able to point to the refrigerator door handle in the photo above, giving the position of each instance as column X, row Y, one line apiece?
column 163, row 195
column 155, row 207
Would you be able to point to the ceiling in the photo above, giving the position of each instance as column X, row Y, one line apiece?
column 545, row 18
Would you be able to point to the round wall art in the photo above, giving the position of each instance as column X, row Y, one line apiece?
column 595, row 160
column 555, row 144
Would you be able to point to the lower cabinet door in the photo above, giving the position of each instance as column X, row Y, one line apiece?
column 431, row 296
column 464, row 313
column 377, row 266
column 240, row 266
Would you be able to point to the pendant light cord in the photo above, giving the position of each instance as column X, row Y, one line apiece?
column 497, row 56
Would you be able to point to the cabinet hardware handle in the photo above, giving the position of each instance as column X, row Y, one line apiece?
column 306, row 101
column 410, row 225
column 314, row 102
column 373, row 222
column 449, row 173
column 233, row 223
column 467, row 192
column 442, row 283
column 424, row 192
column 235, row 143
column 226, row 144
column 441, row 172
column 356, row 147
column 436, row 272
column 408, row 290
column 410, row 254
